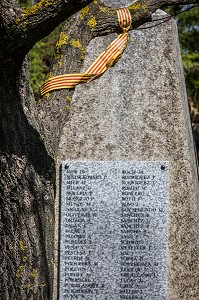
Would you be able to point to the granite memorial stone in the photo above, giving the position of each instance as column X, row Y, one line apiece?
column 136, row 111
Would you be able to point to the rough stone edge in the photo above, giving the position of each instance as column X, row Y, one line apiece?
column 190, row 145
column 187, row 119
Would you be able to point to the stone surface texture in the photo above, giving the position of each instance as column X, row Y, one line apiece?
column 138, row 111
column 114, row 230
column 118, row 3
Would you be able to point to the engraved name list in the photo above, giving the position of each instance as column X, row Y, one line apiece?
column 113, row 233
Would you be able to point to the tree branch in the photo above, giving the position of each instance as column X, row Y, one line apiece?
column 156, row 4
column 36, row 22
column 141, row 12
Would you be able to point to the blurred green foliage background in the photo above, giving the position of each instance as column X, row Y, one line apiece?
column 41, row 55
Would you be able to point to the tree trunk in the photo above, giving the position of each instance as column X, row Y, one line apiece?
column 26, row 181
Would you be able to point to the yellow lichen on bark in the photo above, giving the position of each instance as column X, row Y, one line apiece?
column 62, row 40
column 24, row 259
column 31, row 286
column 82, row 57
column 47, row 95
column 20, row 271
column 92, row 23
column 134, row 6
column 102, row 9
column 33, row 9
column 144, row 7
column 27, row 286
column 58, row 57
column 75, row 44
column 22, row 245
column 137, row 6
column 49, row 75
column 84, row 12
column 34, row 273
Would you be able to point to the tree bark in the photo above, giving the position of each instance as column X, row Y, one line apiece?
column 30, row 133
column 26, row 195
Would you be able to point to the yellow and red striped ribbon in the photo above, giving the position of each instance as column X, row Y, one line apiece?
column 104, row 61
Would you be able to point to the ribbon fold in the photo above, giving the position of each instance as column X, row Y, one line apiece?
column 104, row 61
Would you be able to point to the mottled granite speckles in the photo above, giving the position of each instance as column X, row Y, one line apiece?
column 138, row 111
column 118, row 3
column 114, row 230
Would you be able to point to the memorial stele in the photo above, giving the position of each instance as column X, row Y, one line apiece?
column 129, row 211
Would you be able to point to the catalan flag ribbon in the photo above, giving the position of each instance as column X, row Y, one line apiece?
column 104, row 61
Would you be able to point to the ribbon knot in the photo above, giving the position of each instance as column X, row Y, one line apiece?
column 124, row 18
column 104, row 61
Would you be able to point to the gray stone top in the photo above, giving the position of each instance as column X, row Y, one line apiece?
column 118, row 3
